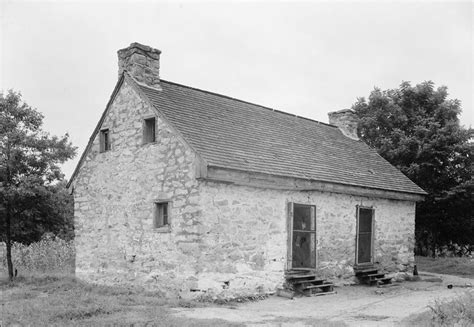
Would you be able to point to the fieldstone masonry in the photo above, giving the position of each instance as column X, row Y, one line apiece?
column 223, row 240
column 142, row 62
column 347, row 122
column 114, row 196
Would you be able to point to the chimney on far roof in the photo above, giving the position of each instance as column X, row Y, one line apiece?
column 346, row 120
column 142, row 63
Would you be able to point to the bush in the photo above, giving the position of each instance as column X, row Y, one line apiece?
column 50, row 255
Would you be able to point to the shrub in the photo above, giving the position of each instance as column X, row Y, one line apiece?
column 50, row 255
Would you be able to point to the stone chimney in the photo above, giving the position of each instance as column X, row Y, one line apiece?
column 346, row 120
column 142, row 63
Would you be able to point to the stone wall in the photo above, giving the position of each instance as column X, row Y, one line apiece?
column 114, row 196
column 245, row 242
column 224, row 240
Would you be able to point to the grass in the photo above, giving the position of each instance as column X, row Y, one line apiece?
column 47, row 294
column 65, row 301
column 462, row 267
column 62, row 300
column 458, row 312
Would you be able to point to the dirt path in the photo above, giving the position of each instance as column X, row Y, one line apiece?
column 353, row 305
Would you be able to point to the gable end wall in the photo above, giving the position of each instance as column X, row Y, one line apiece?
column 114, row 195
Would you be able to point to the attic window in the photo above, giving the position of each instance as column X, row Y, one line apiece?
column 149, row 130
column 104, row 140
column 161, row 215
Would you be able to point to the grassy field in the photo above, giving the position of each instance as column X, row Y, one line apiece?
column 63, row 301
column 47, row 294
column 459, row 312
column 462, row 267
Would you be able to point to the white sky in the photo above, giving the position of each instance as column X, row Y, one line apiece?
column 307, row 58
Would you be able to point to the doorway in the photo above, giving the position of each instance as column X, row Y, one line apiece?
column 302, row 236
column 365, row 236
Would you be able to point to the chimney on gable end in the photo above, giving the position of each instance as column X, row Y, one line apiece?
column 346, row 120
column 142, row 63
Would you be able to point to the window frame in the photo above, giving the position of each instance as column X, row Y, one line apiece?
column 104, row 140
column 149, row 137
column 161, row 214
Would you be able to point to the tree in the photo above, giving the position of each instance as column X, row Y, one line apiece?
column 50, row 210
column 29, row 167
column 416, row 128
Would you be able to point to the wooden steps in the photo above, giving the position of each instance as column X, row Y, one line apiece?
column 308, row 283
column 371, row 276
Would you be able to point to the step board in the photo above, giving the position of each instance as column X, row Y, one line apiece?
column 299, row 276
column 318, row 286
column 307, row 283
column 372, row 277
column 366, row 271
column 313, row 281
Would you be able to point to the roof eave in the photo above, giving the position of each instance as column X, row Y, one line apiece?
column 264, row 180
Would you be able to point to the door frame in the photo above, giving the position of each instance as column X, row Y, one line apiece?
column 371, row 262
column 289, row 246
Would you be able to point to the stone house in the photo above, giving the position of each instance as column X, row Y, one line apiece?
column 186, row 190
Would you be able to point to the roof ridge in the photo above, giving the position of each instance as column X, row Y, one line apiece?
column 242, row 101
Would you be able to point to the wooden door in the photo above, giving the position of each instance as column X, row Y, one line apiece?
column 302, row 236
column 365, row 236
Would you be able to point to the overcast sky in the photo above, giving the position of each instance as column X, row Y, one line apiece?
column 305, row 58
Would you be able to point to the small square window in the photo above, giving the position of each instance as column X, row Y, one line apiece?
column 161, row 215
column 149, row 130
column 104, row 140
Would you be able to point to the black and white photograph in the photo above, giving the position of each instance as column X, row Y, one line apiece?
column 236, row 163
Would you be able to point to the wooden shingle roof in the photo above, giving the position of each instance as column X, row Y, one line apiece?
column 235, row 134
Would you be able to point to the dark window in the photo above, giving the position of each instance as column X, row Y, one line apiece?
column 161, row 217
column 303, row 217
column 303, row 235
column 149, row 130
column 104, row 140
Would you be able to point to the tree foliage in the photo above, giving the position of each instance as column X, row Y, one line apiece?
column 30, row 203
column 47, row 209
column 417, row 129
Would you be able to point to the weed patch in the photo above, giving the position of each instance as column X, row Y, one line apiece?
column 51, row 255
column 457, row 312
column 81, row 313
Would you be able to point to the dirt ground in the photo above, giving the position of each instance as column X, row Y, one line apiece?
column 352, row 305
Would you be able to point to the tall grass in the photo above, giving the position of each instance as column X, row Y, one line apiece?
column 51, row 255
column 458, row 312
